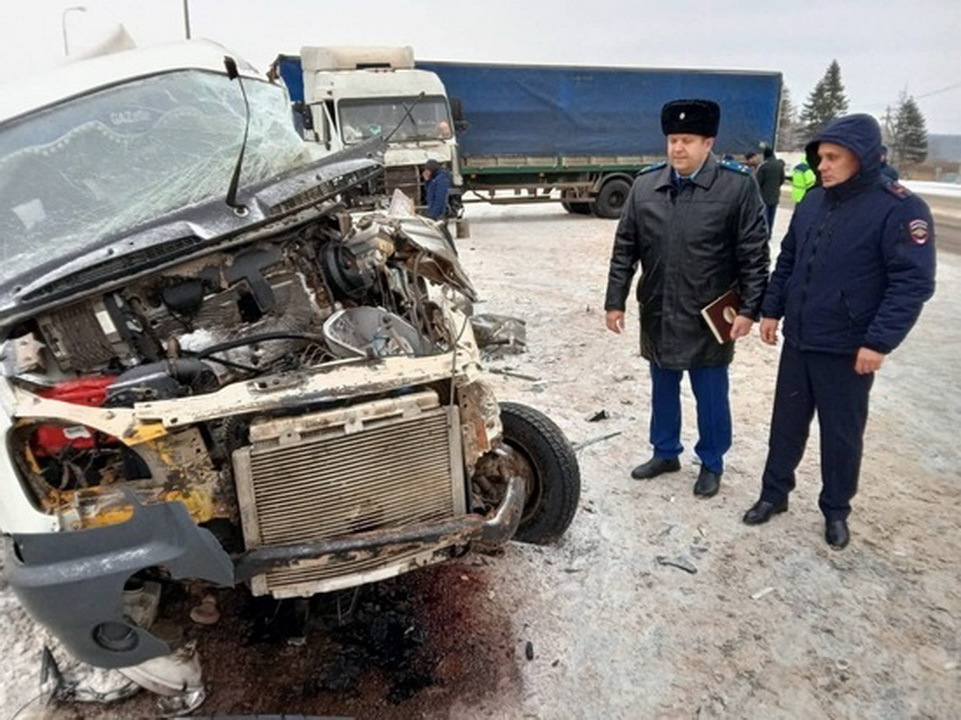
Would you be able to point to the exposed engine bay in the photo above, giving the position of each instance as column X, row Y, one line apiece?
column 327, row 292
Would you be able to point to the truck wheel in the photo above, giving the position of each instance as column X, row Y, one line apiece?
column 575, row 207
column 553, row 479
column 611, row 198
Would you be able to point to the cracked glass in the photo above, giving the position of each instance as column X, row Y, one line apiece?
column 97, row 166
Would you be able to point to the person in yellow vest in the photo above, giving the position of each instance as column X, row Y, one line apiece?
column 802, row 180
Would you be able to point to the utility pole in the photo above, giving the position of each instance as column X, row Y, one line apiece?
column 63, row 25
column 187, row 19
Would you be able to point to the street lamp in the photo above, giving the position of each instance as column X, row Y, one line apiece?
column 186, row 19
column 63, row 25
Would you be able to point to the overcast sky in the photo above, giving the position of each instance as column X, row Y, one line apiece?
column 883, row 46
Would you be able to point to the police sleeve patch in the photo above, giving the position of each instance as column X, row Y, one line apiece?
column 919, row 231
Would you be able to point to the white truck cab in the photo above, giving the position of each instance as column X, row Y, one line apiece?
column 355, row 93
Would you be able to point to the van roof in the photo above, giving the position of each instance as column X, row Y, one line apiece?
column 79, row 77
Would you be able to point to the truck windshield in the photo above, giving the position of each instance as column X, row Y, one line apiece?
column 415, row 119
column 104, row 163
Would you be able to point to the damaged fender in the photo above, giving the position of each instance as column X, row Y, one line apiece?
column 73, row 583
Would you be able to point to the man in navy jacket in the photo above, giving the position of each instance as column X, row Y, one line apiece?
column 436, row 190
column 854, row 271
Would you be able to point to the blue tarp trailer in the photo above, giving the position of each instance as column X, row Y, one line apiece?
column 581, row 134
column 516, row 110
column 578, row 134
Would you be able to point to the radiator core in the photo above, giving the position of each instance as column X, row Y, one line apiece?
column 385, row 464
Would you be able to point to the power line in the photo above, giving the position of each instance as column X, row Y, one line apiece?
column 939, row 91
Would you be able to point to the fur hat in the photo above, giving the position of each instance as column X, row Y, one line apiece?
column 697, row 117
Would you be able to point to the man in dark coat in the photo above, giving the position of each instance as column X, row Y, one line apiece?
column 770, row 177
column 696, row 229
column 854, row 271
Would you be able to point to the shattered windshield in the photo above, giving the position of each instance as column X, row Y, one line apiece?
column 104, row 163
column 415, row 119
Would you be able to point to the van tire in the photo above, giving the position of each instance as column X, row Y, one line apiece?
column 553, row 484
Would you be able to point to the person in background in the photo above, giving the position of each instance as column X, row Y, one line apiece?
column 750, row 161
column 855, row 269
column 770, row 177
column 802, row 180
column 695, row 228
column 436, row 189
column 886, row 170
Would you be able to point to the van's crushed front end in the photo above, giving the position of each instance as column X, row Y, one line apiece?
column 277, row 392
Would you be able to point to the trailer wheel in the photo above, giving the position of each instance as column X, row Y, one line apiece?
column 575, row 207
column 552, row 477
column 611, row 198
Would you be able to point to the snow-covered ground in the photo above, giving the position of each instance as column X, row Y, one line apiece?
column 770, row 624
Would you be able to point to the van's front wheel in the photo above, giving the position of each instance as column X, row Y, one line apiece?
column 546, row 461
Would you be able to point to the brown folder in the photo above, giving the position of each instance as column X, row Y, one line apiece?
column 720, row 314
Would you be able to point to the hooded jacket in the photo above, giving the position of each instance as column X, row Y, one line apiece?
column 858, row 261
column 692, row 241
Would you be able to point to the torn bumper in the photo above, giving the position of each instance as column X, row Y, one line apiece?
column 495, row 529
column 72, row 582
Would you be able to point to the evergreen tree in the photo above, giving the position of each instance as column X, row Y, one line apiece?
column 786, row 122
column 910, row 137
column 826, row 102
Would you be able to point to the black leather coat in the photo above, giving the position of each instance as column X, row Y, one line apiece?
column 691, row 245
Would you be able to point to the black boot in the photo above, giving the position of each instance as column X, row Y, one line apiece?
column 762, row 511
column 836, row 533
column 708, row 483
column 654, row 467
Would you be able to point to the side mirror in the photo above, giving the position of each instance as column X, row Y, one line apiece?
column 457, row 109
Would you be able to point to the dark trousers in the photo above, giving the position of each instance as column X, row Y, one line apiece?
column 710, row 386
column 769, row 211
column 809, row 382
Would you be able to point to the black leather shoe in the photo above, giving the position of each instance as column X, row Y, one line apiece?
column 654, row 467
column 762, row 511
column 836, row 533
column 707, row 483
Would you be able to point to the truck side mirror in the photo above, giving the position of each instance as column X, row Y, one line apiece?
column 457, row 113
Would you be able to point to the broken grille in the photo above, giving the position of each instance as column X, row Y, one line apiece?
column 354, row 475
column 405, row 178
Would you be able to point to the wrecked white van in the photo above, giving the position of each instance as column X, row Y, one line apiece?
column 213, row 370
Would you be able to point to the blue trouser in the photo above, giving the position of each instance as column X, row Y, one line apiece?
column 809, row 381
column 710, row 386
column 769, row 211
